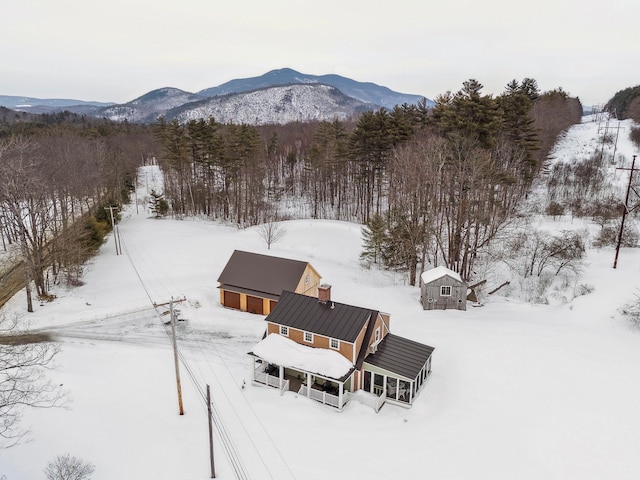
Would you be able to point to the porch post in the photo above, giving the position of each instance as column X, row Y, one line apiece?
column 340, row 389
column 281, row 374
column 308, row 385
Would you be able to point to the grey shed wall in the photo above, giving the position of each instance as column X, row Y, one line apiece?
column 432, row 300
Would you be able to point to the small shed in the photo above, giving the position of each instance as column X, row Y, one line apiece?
column 443, row 289
column 252, row 282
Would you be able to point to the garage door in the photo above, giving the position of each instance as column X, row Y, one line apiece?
column 232, row 300
column 254, row 305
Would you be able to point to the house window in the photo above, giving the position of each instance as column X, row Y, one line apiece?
column 308, row 337
column 377, row 337
column 306, row 280
column 284, row 330
column 445, row 291
column 334, row 343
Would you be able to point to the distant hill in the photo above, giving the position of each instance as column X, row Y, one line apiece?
column 43, row 105
column 150, row 106
column 278, row 96
column 364, row 91
column 274, row 105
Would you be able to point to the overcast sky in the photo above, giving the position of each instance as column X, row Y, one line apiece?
column 118, row 50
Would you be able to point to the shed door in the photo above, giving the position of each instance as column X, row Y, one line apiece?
column 232, row 300
column 254, row 305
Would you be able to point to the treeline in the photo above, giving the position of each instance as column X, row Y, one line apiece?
column 625, row 104
column 57, row 173
column 432, row 185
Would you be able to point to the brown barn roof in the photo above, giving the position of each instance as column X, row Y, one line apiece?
column 256, row 273
column 400, row 355
column 330, row 319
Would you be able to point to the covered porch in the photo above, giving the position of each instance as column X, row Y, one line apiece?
column 321, row 389
column 322, row 375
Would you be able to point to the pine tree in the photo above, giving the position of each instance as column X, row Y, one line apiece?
column 374, row 234
column 467, row 113
column 159, row 206
column 518, row 127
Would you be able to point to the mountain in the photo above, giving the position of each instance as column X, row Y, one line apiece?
column 364, row 91
column 150, row 106
column 44, row 105
column 278, row 96
column 283, row 104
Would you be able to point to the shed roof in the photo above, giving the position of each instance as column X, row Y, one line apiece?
column 330, row 319
column 261, row 273
column 439, row 272
column 400, row 355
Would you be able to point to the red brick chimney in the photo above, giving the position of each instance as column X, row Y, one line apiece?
column 324, row 293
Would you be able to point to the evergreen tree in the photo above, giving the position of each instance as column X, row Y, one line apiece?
column 518, row 124
column 159, row 206
column 467, row 113
column 374, row 234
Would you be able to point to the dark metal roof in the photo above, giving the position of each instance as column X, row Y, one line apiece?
column 400, row 355
column 246, row 291
column 261, row 273
column 330, row 319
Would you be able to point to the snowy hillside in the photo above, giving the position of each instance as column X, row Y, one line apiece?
column 149, row 107
column 518, row 391
column 367, row 92
column 292, row 103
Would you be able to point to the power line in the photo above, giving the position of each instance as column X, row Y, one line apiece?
column 231, row 403
column 231, row 451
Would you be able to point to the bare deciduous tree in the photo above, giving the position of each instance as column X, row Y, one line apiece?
column 24, row 359
column 271, row 231
column 68, row 467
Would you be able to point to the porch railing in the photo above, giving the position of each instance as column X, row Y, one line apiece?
column 265, row 378
column 321, row 396
column 284, row 387
column 367, row 399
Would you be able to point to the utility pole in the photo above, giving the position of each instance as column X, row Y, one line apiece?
column 615, row 145
column 135, row 191
column 213, row 468
column 113, row 228
column 175, row 357
column 175, row 347
column 627, row 209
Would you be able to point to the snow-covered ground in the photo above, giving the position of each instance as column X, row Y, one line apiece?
column 517, row 391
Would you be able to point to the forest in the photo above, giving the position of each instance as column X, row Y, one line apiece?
column 429, row 185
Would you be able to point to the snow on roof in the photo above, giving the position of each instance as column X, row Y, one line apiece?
column 438, row 272
column 283, row 351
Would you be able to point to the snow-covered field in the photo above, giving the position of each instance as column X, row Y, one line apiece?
column 518, row 391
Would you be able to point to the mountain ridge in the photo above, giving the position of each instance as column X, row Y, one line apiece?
column 254, row 100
